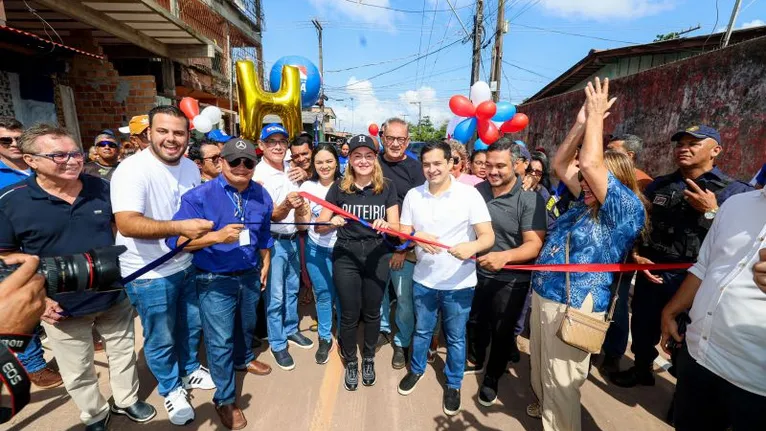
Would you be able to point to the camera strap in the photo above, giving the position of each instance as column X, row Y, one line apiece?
column 14, row 378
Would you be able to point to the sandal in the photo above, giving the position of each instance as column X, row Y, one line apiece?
column 534, row 410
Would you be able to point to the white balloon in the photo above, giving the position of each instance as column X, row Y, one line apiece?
column 480, row 92
column 213, row 113
column 202, row 124
column 451, row 125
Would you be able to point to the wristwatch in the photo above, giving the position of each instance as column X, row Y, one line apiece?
column 710, row 215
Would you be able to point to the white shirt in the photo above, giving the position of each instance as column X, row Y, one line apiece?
column 728, row 330
column 450, row 217
column 317, row 189
column 278, row 185
column 143, row 184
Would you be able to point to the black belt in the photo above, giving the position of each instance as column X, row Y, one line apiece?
column 287, row 236
column 235, row 273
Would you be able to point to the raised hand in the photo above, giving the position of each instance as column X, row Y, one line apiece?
column 597, row 102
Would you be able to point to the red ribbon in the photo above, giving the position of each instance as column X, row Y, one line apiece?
column 568, row 267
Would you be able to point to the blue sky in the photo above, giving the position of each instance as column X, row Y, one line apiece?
column 546, row 37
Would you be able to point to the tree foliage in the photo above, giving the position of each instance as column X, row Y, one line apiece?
column 425, row 131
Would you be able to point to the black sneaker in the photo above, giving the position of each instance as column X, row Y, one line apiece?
column 351, row 381
column 473, row 368
column 408, row 383
column 284, row 359
column 101, row 425
column 300, row 341
column 399, row 360
column 383, row 339
column 514, row 356
column 609, row 365
column 488, row 392
column 257, row 343
column 323, row 352
column 368, row 371
column 451, row 404
column 633, row 376
column 139, row 412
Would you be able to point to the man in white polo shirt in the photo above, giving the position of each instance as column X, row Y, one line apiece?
column 454, row 214
column 721, row 379
column 146, row 192
column 281, row 181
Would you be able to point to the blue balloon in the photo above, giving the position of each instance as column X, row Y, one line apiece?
column 479, row 145
column 311, row 81
column 505, row 111
column 465, row 130
column 521, row 143
column 218, row 135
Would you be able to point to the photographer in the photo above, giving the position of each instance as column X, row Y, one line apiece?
column 59, row 211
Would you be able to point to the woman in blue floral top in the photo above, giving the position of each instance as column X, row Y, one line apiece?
column 601, row 227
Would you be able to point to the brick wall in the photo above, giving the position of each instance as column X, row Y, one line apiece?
column 725, row 89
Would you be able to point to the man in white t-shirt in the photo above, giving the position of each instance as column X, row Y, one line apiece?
column 280, row 180
column 146, row 192
column 454, row 214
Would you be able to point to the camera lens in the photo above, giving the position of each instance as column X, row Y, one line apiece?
column 97, row 269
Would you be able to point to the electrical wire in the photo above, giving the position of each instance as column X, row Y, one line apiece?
column 420, row 41
column 428, row 47
column 33, row 11
column 359, row 2
column 574, row 34
column 714, row 25
column 526, row 70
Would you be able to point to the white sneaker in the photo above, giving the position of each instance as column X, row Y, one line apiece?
column 199, row 379
column 180, row 412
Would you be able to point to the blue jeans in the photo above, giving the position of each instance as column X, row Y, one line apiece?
column 405, row 311
column 282, row 293
column 32, row 358
column 455, row 305
column 319, row 266
column 169, row 312
column 227, row 305
column 616, row 340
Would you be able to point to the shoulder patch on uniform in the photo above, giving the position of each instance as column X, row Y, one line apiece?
column 661, row 200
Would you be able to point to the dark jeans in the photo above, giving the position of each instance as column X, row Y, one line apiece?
column 705, row 401
column 360, row 274
column 497, row 306
column 648, row 301
column 616, row 340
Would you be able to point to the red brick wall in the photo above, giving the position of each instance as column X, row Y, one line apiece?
column 725, row 89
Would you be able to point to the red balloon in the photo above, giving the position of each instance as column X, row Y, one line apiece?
column 516, row 124
column 373, row 129
column 488, row 131
column 461, row 106
column 190, row 107
column 485, row 111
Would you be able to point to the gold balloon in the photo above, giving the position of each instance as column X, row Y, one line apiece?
column 255, row 104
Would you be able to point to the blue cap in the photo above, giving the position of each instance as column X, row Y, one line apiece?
column 271, row 129
column 699, row 132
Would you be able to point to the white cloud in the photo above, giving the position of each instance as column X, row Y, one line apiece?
column 368, row 108
column 356, row 12
column 753, row 23
column 609, row 9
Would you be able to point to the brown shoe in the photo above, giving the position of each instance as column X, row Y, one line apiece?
column 231, row 416
column 46, row 378
column 257, row 367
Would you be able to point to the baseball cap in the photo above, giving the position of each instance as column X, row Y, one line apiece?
column 700, row 132
column 359, row 141
column 522, row 151
column 271, row 129
column 237, row 148
column 136, row 126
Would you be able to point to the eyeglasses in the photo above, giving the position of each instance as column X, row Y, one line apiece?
column 215, row 159
column 368, row 157
column 63, row 158
column 392, row 139
column 249, row 164
column 536, row 172
column 6, row 141
column 270, row 144
column 109, row 144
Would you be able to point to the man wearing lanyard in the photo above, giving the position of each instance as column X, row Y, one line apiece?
column 233, row 265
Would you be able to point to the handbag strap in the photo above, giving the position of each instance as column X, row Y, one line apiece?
column 566, row 274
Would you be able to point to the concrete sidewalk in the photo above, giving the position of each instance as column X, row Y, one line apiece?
column 312, row 397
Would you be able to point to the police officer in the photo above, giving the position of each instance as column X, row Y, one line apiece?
column 684, row 205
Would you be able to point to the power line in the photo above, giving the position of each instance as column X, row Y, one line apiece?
column 574, row 34
column 359, row 2
column 372, row 64
column 420, row 40
column 428, row 47
column 526, row 70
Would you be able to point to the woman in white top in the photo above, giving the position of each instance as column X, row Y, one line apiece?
column 326, row 167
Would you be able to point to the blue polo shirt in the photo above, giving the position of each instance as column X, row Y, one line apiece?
column 216, row 200
column 10, row 176
column 35, row 222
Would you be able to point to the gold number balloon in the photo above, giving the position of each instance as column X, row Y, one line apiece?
column 255, row 103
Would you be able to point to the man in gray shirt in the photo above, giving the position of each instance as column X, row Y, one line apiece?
column 519, row 222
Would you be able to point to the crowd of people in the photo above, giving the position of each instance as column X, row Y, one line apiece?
column 414, row 250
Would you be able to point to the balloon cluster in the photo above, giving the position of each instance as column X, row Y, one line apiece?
column 201, row 121
column 480, row 113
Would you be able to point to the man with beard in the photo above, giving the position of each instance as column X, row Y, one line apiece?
column 146, row 192
column 108, row 152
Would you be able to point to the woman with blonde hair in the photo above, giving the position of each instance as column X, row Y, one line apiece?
column 360, row 272
column 459, row 160
column 600, row 228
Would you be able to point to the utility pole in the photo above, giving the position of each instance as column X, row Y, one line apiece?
column 420, row 110
column 318, row 26
column 733, row 19
column 477, row 33
column 496, row 74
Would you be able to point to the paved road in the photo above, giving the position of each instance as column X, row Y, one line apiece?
column 312, row 397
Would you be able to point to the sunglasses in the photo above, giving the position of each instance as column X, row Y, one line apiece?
column 109, row 144
column 7, row 141
column 536, row 172
column 456, row 160
column 249, row 164
column 215, row 159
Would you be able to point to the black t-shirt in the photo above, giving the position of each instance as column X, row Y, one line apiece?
column 364, row 204
column 512, row 214
column 405, row 175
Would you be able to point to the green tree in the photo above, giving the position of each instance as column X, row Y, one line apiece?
column 668, row 36
column 425, row 131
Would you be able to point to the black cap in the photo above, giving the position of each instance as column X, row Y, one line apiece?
column 238, row 148
column 359, row 141
column 699, row 132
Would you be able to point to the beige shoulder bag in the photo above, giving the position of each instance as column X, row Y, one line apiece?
column 582, row 330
